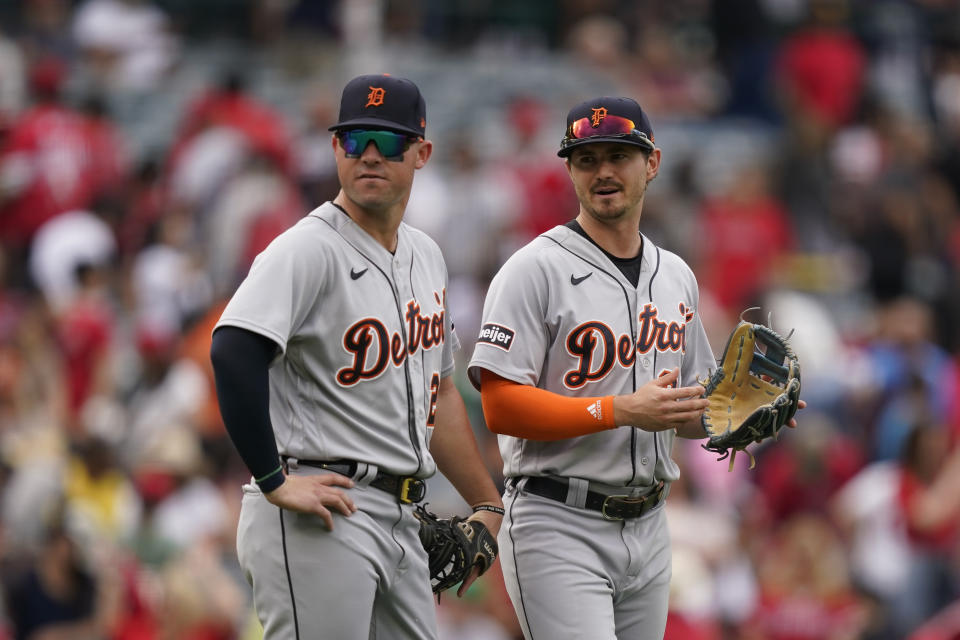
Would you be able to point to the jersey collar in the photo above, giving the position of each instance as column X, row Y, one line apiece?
column 363, row 241
column 564, row 235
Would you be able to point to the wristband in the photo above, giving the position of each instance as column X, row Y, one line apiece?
column 489, row 507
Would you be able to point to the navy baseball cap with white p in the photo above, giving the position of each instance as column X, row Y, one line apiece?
column 607, row 119
column 382, row 101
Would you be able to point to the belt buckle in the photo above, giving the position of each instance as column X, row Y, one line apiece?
column 621, row 500
column 411, row 490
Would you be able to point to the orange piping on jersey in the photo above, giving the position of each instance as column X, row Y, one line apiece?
column 520, row 410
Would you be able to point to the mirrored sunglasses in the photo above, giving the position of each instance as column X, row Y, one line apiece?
column 607, row 127
column 391, row 145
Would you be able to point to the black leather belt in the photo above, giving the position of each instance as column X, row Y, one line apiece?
column 613, row 507
column 407, row 489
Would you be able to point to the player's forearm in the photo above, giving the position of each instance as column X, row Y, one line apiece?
column 240, row 365
column 523, row 411
column 455, row 450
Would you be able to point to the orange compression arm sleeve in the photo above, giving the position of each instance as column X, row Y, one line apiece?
column 520, row 410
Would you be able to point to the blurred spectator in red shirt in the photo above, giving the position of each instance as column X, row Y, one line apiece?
column 805, row 590
column 929, row 501
column 107, row 150
column 682, row 628
column 84, row 330
column 804, row 469
column 541, row 181
column 231, row 105
column 45, row 166
column 749, row 230
column 820, row 68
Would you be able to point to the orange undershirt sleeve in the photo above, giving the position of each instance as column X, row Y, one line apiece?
column 521, row 410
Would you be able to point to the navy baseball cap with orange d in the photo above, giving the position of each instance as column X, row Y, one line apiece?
column 607, row 119
column 382, row 101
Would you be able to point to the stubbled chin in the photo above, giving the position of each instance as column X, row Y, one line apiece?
column 371, row 188
column 607, row 201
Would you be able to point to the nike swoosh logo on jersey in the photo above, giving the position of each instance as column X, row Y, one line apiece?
column 354, row 274
column 574, row 280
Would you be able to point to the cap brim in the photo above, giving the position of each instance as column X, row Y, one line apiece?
column 358, row 123
column 568, row 148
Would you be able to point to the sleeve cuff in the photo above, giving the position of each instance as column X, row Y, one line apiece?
column 271, row 481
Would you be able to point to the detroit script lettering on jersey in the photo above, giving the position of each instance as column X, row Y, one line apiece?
column 597, row 349
column 372, row 347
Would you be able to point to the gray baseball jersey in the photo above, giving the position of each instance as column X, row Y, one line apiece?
column 366, row 338
column 365, row 335
column 560, row 316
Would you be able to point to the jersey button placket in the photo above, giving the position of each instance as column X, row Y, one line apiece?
column 402, row 287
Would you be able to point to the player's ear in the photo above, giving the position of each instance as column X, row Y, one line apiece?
column 424, row 151
column 334, row 142
column 653, row 164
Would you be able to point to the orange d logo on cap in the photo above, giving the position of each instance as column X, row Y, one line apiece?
column 375, row 97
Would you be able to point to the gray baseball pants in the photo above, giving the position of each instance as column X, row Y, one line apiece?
column 367, row 579
column 573, row 575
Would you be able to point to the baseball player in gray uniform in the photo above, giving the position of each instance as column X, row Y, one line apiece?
column 587, row 361
column 333, row 362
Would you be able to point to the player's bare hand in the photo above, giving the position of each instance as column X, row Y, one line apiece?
column 801, row 404
column 317, row 494
column 492, row 521
column 660, row 405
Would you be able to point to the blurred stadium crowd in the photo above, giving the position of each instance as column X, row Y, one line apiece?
column 150, row 148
